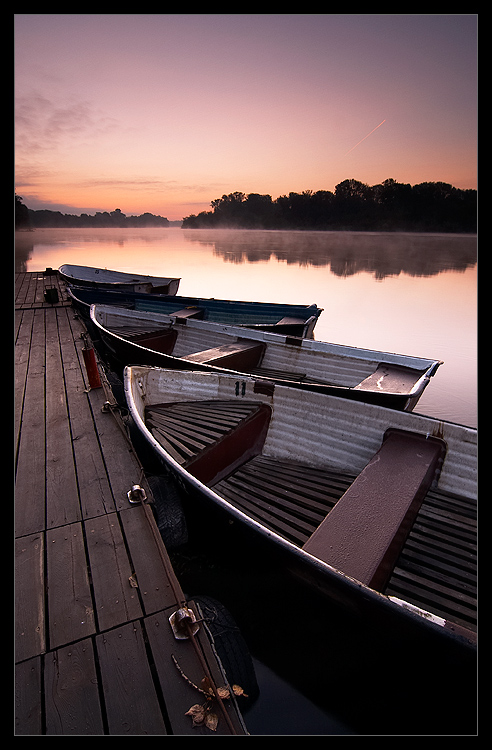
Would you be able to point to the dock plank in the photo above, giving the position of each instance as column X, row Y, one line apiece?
column 28, row 693
column 116, row 599
column 71, row 691
column 30, row 637
column 24, row 322
column 94, row 487
column 30, row 465
column 62, row 499
column 130, row 695
column 70, row 604
column 156, row 592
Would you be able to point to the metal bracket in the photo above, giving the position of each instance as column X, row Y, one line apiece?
column 136, row 495
column 182, row 622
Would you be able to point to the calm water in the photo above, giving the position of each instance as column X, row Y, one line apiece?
column 406, row 293
column 411, row 294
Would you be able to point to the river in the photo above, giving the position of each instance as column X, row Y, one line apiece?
column 414, row 294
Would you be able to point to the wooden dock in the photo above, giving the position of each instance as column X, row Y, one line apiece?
column 95, row 653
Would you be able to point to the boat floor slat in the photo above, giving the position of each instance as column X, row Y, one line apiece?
column 186, row 428
column 183, row 437
column 441, row 523
column 462, row 523
column 287, row 473
column 437, row 567
column 454, row 549
column 293, row 377
column 216, row 413
column 439, row 584
column 129, row 332
column 279, row 523
column 265, row 372
column 215, row 426
column 443, row 602
column 289, row 505
column 460, row 575
column 169, row 446
column 260, row 495
column 315, row 495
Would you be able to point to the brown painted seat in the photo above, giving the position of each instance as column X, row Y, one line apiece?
column 363, row 534
column 390, row 379
column 159, row 341
column 240, row 355
column 289, row 321
column 188, row 312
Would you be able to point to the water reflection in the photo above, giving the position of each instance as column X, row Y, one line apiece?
column 347, row 253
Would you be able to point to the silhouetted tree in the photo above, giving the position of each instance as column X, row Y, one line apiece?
column 21, row 214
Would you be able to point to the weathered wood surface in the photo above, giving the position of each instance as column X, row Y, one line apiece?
column 94, row 588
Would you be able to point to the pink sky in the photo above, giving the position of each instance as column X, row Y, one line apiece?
column 165, row 113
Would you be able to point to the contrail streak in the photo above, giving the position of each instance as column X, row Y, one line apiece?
column 366, row 136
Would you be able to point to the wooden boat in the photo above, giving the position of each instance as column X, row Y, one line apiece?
column 295, row 320
column 374, row 507
column 132, row 337
column 131, row 282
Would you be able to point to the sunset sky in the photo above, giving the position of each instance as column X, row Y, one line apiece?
column 164, row 113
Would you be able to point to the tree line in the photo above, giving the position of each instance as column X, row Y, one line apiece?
column 26, row 218
column 389, row 206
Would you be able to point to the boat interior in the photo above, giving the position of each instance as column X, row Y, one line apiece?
column 376, row 513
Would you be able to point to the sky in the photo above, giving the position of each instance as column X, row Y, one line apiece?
column 164, row 113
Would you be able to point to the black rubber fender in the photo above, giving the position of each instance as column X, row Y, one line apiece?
column 169, row 513
column 231, row 648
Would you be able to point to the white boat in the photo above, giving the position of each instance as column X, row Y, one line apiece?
column 143, row 338
column 373, row 506
column 128, row 282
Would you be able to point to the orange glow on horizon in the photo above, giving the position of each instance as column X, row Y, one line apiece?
column 154, row 113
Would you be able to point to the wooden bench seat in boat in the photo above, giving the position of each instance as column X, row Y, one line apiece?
column 287, row 322
column 160, row 341
column 188, row 312
column 241, row 355
column 364, row 533
column 389, row 379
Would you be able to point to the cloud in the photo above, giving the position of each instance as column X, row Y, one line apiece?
column 150, row 184
column 43, row 126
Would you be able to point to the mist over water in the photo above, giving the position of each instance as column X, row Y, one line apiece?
column 414, row 294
